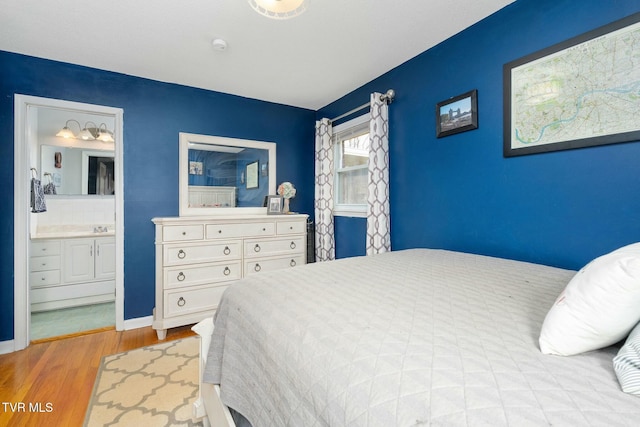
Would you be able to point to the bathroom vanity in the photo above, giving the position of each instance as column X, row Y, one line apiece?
column 71, row 268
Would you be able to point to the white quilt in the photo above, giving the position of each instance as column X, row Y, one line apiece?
column 409, row 338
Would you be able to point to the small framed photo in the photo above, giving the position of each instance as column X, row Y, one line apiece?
column 457, row 114
column 274, row 205
column 195, row 168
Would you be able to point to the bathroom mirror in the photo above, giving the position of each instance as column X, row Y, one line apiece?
column 76, row 170
column 221, row 175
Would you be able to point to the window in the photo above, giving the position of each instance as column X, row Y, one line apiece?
column 351, row 142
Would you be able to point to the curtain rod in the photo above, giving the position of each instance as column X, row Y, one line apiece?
column 362, row 107
column 387, row 97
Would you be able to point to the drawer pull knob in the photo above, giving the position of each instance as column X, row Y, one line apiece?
column 264, row 229
column 182, row 254
column 181, row 276
column 227, row 251
column 292, row 245
column 184, row 233
column 181, row 302
column 256, row 248
column 257, row 267
column 43, row 278
column 290, row 227
column 219, row 231
column 227, row 271
column 292, row 263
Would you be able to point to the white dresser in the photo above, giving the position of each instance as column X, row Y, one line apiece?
column 198, row 257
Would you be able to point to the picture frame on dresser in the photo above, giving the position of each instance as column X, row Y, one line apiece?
column 274, row 205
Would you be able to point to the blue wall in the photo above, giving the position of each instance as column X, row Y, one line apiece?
column 154, row 114
column 458, row 192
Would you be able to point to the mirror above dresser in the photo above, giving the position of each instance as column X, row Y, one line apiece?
column 222, row 176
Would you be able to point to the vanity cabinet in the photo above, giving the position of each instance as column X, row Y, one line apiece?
column 197, row 258
column 89, row 260
column 45, row 263
column 71, row 272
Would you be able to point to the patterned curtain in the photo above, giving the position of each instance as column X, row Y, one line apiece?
column 378, row 219
column 325, row 241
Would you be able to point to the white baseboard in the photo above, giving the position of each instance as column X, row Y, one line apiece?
column 7, row 347
column 139, row 322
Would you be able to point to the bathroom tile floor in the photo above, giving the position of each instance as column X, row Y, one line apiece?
column 47, row 324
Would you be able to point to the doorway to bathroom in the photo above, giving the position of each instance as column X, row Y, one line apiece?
column 68, row 219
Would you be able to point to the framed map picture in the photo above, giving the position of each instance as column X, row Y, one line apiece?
column 579, row 93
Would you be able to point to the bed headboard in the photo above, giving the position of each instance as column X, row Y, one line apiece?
column 210, row 196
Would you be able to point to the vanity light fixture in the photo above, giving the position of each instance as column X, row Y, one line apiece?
column 89, row 132
column 279, row 9
column 85, row 134
column 65, row 132
column 104, row 134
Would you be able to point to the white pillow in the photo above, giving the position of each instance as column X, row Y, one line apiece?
column 627, row 363
column 599, row 306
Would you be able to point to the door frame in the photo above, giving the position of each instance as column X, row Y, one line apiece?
column 23, row 125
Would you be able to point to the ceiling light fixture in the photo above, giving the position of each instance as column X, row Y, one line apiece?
column 88, row 133
column 279, row 9
column 219, row 44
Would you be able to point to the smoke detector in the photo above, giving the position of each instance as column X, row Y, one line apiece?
column 219, row 44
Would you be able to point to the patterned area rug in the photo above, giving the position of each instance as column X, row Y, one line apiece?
column 151, row 386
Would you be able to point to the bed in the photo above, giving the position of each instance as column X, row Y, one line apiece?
column 416, row 337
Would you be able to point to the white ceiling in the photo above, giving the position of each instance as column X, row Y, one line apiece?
column 309, row 61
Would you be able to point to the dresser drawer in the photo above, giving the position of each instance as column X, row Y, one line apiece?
column 260, row 265
column 221, row 231
column 291, row 227
column 175, row 277
column 174, row 233
column 45, row 248
column 179, row 254
column 265, row 247
column 192, row 300
column 44, row 263
column 44, row 278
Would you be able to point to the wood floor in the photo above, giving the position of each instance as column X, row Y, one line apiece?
column 50, row 383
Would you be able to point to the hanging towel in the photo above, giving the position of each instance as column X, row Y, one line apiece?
column 49, row 188
column 37, row 197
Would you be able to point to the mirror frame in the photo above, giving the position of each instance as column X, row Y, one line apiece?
column 183, row 170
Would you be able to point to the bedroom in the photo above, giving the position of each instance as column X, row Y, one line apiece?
column 560, row 209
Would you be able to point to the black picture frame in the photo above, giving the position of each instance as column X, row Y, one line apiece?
column 571, row 110
column 274, row 205
column 457, row 114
